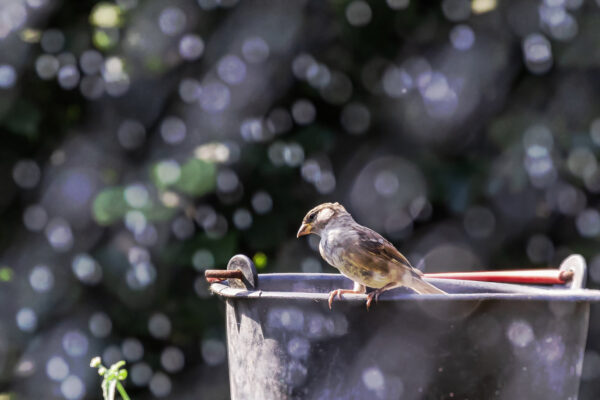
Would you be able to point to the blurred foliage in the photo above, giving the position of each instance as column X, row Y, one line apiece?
column 147, row 141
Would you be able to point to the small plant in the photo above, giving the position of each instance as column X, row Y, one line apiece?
column 113, row 377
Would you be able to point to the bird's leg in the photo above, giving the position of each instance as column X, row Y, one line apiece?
column 358, row 289
column 376, row 293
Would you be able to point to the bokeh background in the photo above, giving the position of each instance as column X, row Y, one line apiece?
column 144, row 141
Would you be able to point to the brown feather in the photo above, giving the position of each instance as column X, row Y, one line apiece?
column 382, row 250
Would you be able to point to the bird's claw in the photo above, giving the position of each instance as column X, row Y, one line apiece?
column 339, row 292
column 332, row 294
column 373, row 295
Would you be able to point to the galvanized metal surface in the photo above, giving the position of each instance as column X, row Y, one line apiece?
column 484, row 341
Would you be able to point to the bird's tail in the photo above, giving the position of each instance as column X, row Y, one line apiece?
column 422, row 287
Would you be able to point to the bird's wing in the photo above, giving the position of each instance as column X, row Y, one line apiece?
column 375, row 251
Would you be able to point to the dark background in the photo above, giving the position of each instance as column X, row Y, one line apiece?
column 146, row 141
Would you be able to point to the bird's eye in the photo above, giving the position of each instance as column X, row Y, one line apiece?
column 312, row 217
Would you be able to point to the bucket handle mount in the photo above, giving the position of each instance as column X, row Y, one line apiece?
column 241, row 273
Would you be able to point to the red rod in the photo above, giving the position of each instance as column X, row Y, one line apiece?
column 532, row 276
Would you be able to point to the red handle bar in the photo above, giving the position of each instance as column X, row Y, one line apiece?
column 532, row 276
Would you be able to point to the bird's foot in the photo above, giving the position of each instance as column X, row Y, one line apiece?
column 377, row 292
column 373, row 295
column 339, row 292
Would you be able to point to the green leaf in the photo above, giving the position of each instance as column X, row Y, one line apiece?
column 102, row 40
column 109, row 206
column 6, row 274
column 197, row 177
column 122, row 375
column 116, row 366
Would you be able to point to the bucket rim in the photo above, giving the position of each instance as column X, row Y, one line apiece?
column 497, row 291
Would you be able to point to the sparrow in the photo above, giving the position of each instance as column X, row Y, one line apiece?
column 361, row 254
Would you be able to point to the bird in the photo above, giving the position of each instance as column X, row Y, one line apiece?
column 361, row 254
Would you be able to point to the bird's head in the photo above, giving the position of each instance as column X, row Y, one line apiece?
column 320, row 216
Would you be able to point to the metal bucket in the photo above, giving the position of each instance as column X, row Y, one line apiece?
column 483, row 341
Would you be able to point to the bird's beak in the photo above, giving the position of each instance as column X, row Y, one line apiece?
column 305, row 229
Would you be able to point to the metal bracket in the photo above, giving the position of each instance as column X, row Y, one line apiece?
column 241, row 273
column 575, row 265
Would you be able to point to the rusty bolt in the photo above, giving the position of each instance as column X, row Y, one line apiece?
column 218, row 275
column 566, row 275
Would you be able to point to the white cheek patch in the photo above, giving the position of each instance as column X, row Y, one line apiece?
column 325, row 214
